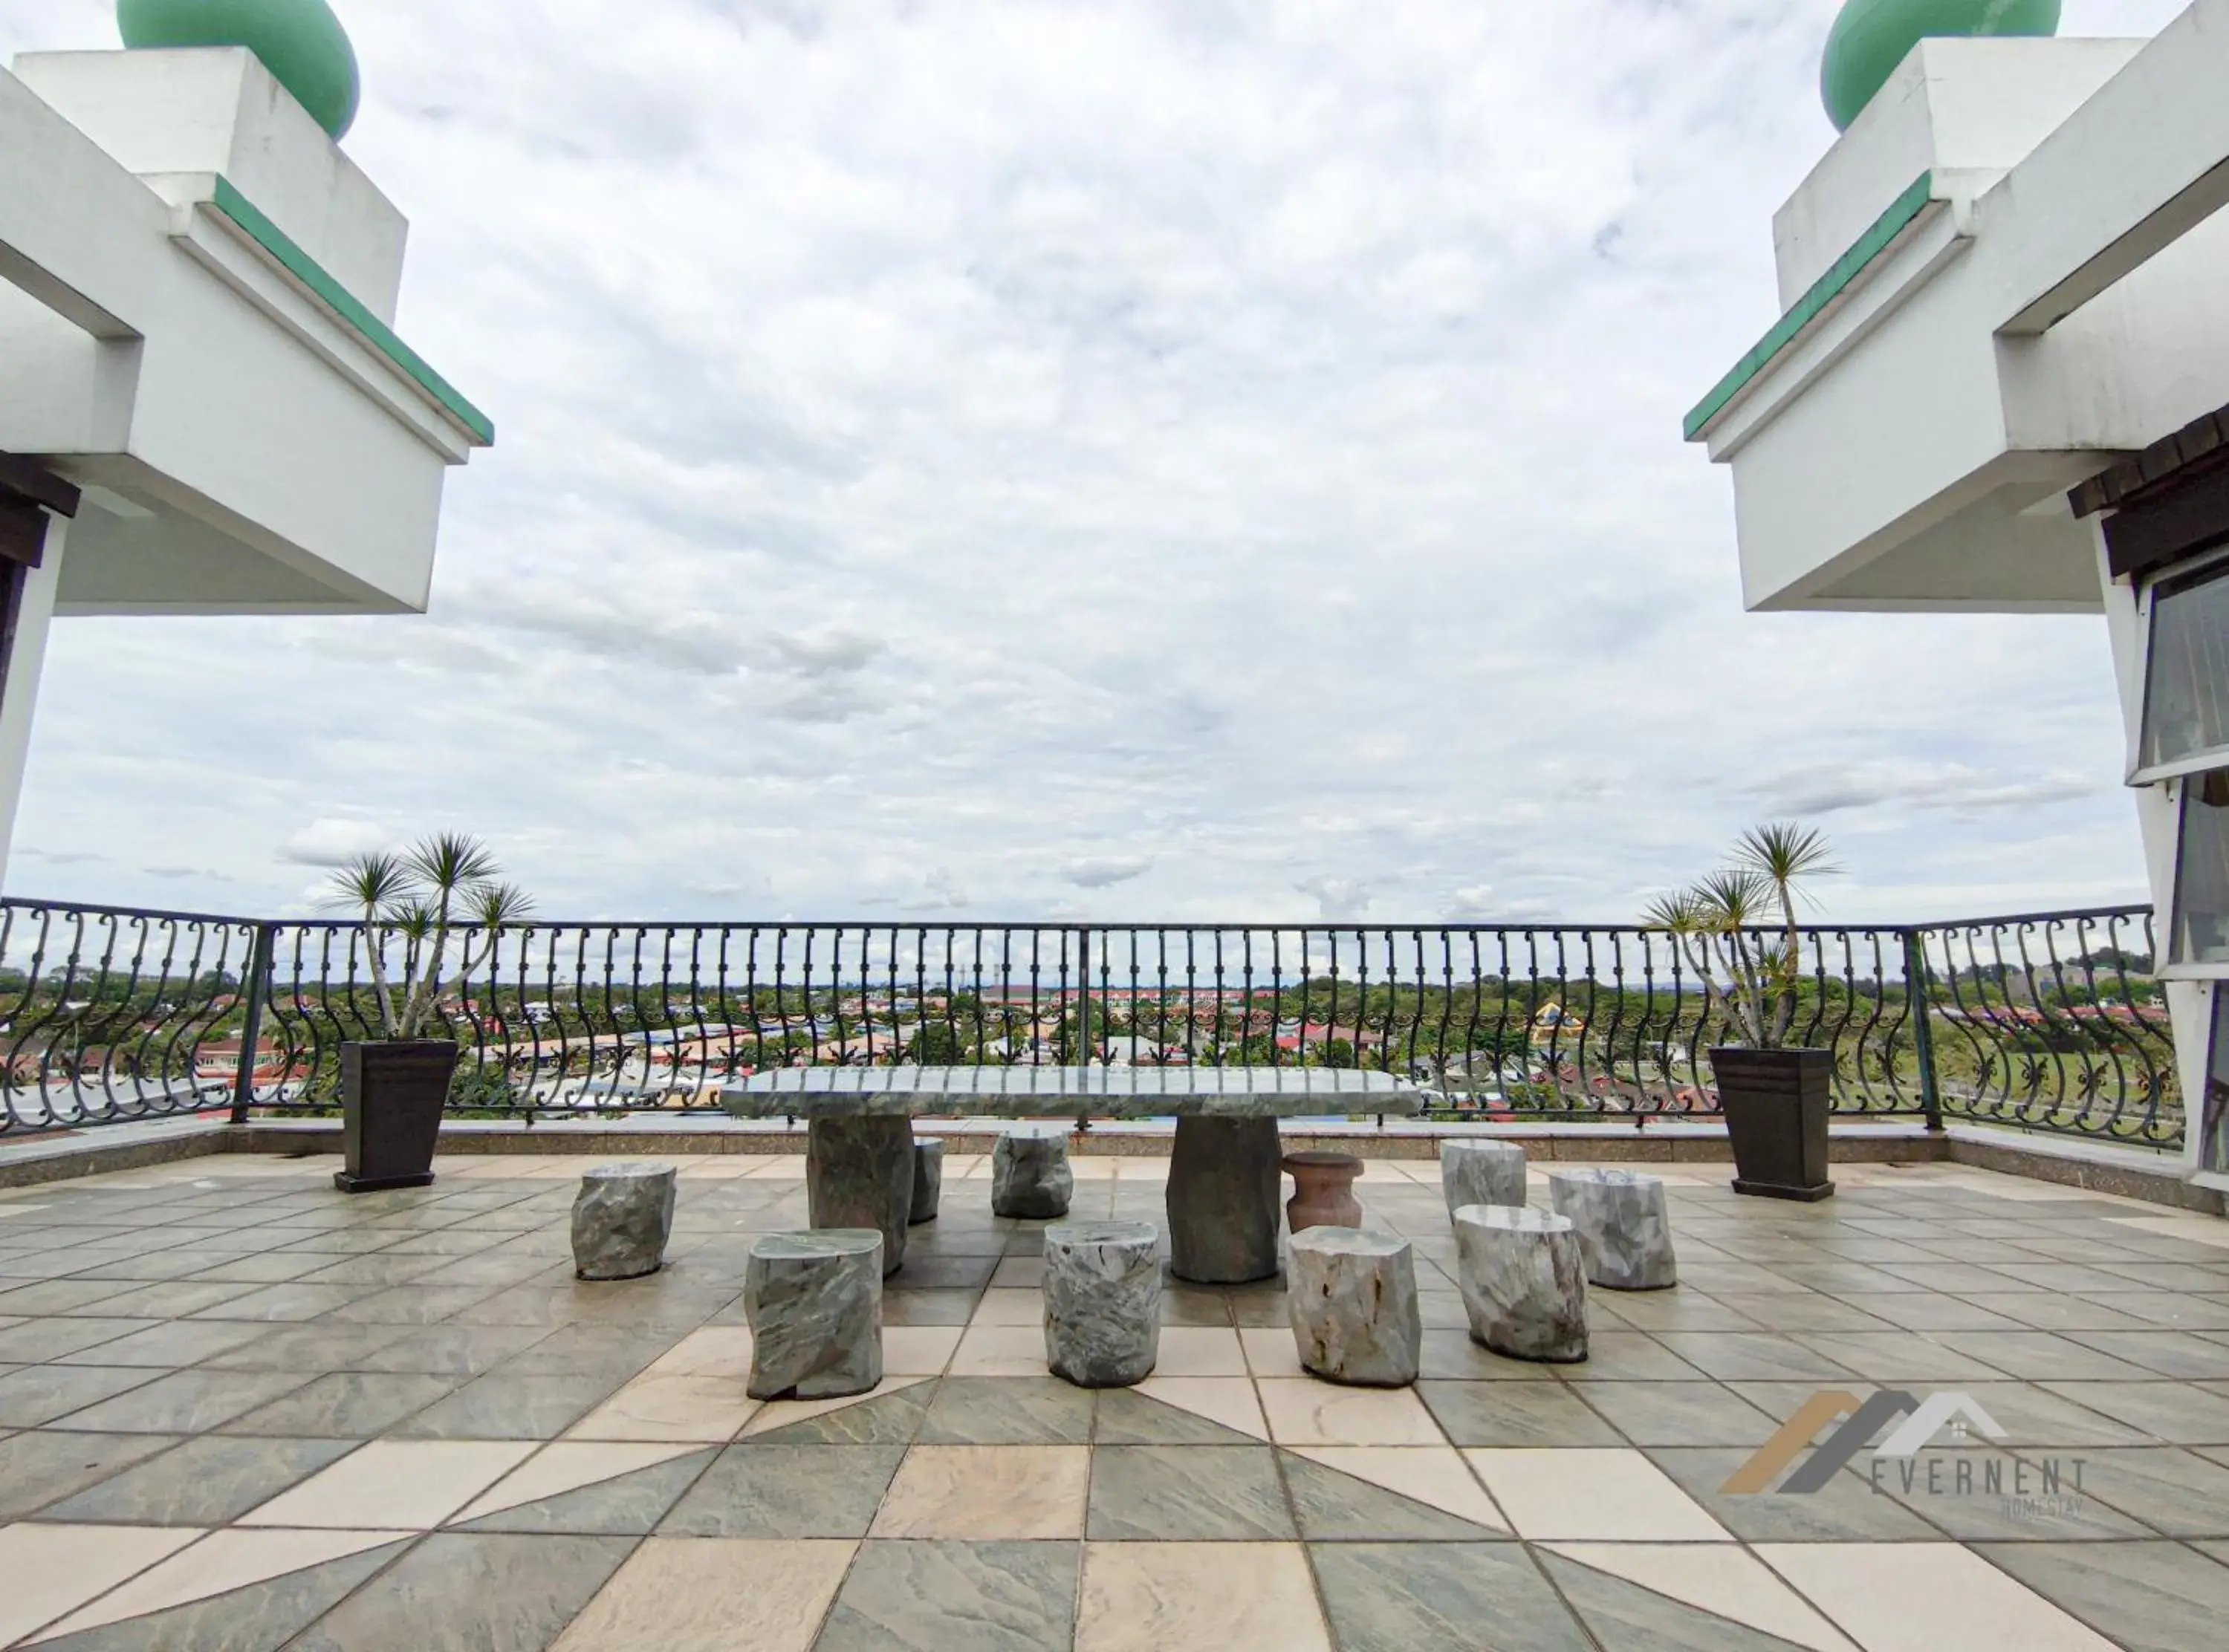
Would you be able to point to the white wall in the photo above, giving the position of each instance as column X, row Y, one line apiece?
column 20, row 695
column 165, row 115
column 1967, row 110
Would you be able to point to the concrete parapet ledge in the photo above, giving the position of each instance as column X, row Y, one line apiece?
column 2092, row 1167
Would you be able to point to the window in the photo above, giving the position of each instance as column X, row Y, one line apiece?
column 2186, row 681
column 2214, row 1115
column 2202, row 872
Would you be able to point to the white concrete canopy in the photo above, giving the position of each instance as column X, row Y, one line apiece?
column 2049, row 300
column 197, row 299
column 196, row 320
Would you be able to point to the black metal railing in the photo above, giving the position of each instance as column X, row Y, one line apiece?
column 2049, row 1021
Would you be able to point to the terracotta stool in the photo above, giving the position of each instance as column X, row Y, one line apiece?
column 1323, row 1190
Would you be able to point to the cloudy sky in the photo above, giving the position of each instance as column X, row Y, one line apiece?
column 1186, row 458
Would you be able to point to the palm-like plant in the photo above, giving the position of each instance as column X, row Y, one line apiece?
column 446, row 883
column 1716, row 922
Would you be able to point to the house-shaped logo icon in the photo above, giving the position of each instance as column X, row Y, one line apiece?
column 1921, row 1422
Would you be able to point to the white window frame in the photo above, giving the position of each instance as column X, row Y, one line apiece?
column 2217, row 562
column 2194, row 1116
column 2166, row 966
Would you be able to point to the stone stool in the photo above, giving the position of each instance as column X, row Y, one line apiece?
column 1323, row 1190
column 1481, row 1172
column 621, row 1219
column 1352, row 1296
column 1102, row 1303
column 1524, row 1282
column 1030, row 1175
column 928, row 1181
column 814, row 1302
column 1625, row 1231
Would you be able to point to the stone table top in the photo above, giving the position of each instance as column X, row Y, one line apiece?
column 1043, row 1092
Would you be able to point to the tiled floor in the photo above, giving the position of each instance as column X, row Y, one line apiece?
column 239, row 1411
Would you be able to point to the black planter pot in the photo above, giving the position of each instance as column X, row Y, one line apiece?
column 1776, row 1104
column 392, row 1095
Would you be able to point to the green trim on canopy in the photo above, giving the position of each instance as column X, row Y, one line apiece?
column 314, row 275
column 1807, row 308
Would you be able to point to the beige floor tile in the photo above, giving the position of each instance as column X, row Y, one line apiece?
column 779, row 1413
column 778, row 1167
column 726, row 1168
column 1717, row 1578
column 1304, row 1411
column 1926, row 1598
column 490, row 1168
column 711, row 1351
column 918, row 1350
column 1199, row 1598
column 703, row 1594
column 1142, row 1172
column 1201, row 1351
column 1093, row 1167
column 1271, row 1352
column 1001, row 1351
column 2198, row 1230
column 1019, row 1273
column 1228, row 1401
column 1388, row 1172
column 1433, row 1475
column 967, row 1166
column 51, row 1569
column 566, row 1466
column 1601, row 1494
column 987, row 1492
column 394, row 1485
column 708, row 1410
column 1007, row 1307
column 218, row 1563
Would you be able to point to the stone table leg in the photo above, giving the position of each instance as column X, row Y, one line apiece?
column 1224, row 1184
column 858, row 1173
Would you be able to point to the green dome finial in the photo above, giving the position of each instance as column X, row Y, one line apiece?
column 1871, row 37
column 301, row 41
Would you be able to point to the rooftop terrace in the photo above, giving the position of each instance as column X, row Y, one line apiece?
column 239, row 1409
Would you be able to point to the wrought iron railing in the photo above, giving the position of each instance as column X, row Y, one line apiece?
column 2048, row 1022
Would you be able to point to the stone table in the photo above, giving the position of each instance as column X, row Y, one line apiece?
column 858, row 1173
column 1223, row 1178
column 928, row 1181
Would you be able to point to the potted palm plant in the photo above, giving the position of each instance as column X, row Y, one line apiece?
column 1775, row 1097
column 445, row 891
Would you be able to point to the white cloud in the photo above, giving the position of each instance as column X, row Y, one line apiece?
column 1473, row 902
column 1336, row 898
column 1105, row 872
column 1020, row 438
column 335, row 842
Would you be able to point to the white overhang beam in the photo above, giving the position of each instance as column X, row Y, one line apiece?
column 2130, row 172
column 74, row 227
